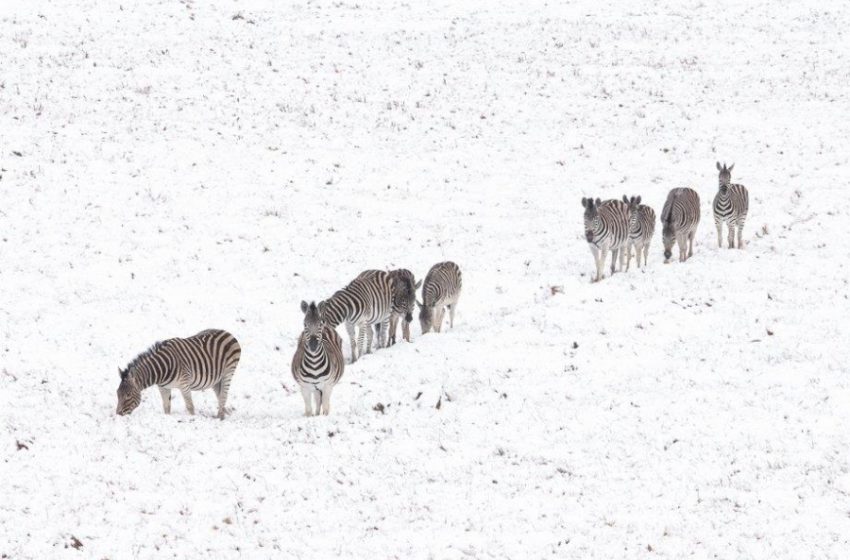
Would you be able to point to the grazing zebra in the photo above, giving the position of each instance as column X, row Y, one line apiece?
column 318, row 363
column 440, row 290
column 641, row 229
column 404, row 288
column 363, row 303
column 680, row 218
column 206, row 360
column 730, row 207
column 606, row 227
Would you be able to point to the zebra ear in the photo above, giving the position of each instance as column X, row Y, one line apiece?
column 304, row 306
column 637, row 199
column 718, row 166
column 729, row 169
column 321, row 308
column 598, row 201
column 122, row 373
column 626, row 199
column 584, row 202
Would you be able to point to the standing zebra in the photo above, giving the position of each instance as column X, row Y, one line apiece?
column 680, row 218
column 730, row 207
column 318, row 363
column 606, row 227
column 440, row 290
column 404, row 288
column 206, row 360
column 364, row 302
column 641, row 229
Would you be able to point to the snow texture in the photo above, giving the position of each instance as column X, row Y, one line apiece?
column 170, row 166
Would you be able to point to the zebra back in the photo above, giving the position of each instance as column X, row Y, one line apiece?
column 442, row 284
column 681, row 212
column 205, row 357
column 368, row 299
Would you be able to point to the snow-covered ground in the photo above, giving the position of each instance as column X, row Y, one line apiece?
column 169, row 166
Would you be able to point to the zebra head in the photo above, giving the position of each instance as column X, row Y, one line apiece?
column 634, row 203
column 314, row 324
column 426, row 316
column 725, row 176
column 591, row 217
column 129, row 393
column 405, row 297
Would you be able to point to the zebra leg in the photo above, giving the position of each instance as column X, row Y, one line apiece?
column 740, row 234
column 360, row 339
column 166, row 399
column 614, row 254
column 600, row 264
column 187, row 396
column 405, row 330
column 682, row 243
column 221, row 389
column 370, row 335
column 325, row 395
column 393, row 326
column 719, row 225
column 595, row 252
column 731, row 227
column 629, row 257
column 307, row 394
column 452, row 315
column 352, row 336
column 645, row 254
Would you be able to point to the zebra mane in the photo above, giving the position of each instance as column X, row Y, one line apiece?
column 140, row 358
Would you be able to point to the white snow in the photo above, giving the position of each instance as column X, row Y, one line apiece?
column 170, row 166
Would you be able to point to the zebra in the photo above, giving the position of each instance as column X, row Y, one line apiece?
column 680, row 218
column 730, row 207
column 318, row 363
column 606, row 227
column 364, row 302
column 641, row 229
column 203, row 361
column 404, row 288
column 440, row 290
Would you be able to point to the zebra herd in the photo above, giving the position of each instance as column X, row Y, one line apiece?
column 621, row 226
column 375, row 300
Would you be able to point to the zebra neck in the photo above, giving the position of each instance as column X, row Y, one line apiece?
column 143, row 376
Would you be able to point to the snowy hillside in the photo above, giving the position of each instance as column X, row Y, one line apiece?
column 169, row 166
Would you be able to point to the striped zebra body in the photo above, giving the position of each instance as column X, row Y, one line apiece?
column 680, row 218
column 363, row 303
column 206, row 360
column 318, row 363
column 606, row 228
column 440, row 290
column 731, row 205
column 404, row 288
column 641, row 229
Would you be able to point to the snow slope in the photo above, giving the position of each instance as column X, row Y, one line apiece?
column 169, row 166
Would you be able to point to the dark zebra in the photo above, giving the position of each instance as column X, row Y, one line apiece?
column 318, row 363
column 203, row 361
column 730, row 207
column 679, row 219
column 404, row 288
column 641, row 229
column 440, row 290
column 363, row 303
column 606, row 228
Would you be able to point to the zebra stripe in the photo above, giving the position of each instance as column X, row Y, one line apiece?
column 440, row 290
column 680, row 218
column 731, row 205
column 641, row 229
column 318, row 364
column 364, row 302
column 606, row 228
column 404, row 288
column 203, row 361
